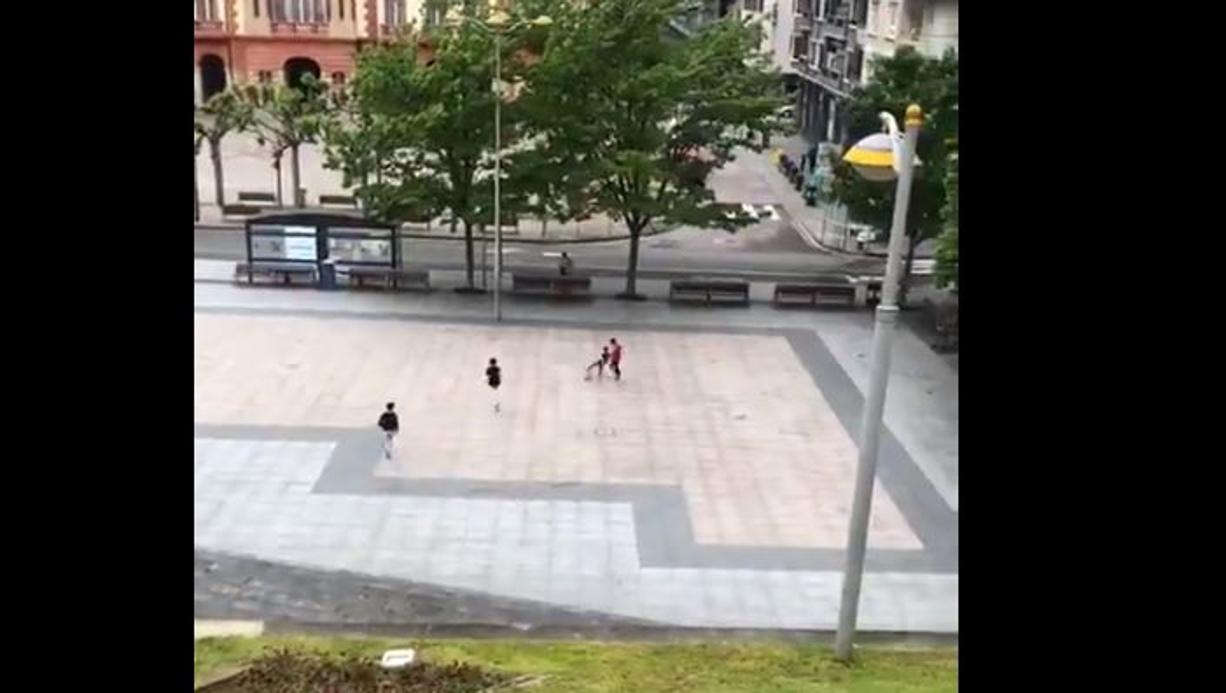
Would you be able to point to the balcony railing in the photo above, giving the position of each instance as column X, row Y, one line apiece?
column 209, row 25
column 832, row 81
column 391, row 29
column 308, row 28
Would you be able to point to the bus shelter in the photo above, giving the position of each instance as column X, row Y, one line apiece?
column 328, row 242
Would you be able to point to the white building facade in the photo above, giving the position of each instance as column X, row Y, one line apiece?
column 832, row 44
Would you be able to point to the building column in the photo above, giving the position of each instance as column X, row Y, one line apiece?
column 199, row 87
column 801, row 100
column 815, row 115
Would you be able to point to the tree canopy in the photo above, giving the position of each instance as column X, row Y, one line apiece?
column 630, row 122
column 906, row 78
column 285, row 118
column 420, row 121
column 947, row 242
column 223, row 113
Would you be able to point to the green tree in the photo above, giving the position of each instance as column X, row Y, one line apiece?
column 630, row 122
column 223, row 113
column 898, row 81
column 195, row 178
column 947, row 242
column 422, row 121
column 285, row 118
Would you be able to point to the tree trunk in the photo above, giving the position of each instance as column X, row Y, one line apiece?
column 468, row 252
column 196, row 187
column 219, row 183
column 276, row 164
column 905, row 282
column 296, row 174
column 632, row 268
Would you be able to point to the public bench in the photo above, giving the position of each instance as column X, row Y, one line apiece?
column 388, row 277
column 552, row 284
column 814, row 293
column 708, row 290
column 285, row 272
column 240, row 210
column 338, row 201
column 264, row 198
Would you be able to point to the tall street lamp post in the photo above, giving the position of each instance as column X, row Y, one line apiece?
column 497, row 25
column 879, row 157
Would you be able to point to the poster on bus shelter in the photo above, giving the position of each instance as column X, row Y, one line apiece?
column 300, row 243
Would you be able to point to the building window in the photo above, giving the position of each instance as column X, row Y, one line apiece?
column 753, row 5
column 265, row 77
column 393, row 12
column 859, row 12
column 800, row 46
column 206, row 10
column 338, row 78
column 340, row 7
column 299, row 11
column 434, row 16
column 255, row 7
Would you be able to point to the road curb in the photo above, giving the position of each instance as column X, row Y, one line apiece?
column 211, row 628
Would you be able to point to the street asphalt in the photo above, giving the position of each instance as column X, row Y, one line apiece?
column 771, row 250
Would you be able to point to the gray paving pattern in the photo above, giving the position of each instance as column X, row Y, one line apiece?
column 309, row 497
column 229, row 586
column 665, row 536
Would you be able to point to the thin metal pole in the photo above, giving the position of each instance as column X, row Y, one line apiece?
column 874, row 403
column 497, row 176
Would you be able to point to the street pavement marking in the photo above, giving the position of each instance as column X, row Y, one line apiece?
column 222, row 629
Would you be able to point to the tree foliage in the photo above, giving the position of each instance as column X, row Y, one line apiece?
column 897, row 82
column 631, row 123
column 285, row 118
column 947, row 242
column 417, row 135
column 223, row 113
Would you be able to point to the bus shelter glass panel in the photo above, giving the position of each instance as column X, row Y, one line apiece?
column 361, row 246
column 284, row 243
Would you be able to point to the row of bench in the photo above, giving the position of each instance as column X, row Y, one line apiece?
column 811, row 293
column 251, row 203
column 300, row 273
column 705, row 290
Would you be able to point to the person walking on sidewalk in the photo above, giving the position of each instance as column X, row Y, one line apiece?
column 390, row 423
column 615, row 358
column 493, row 377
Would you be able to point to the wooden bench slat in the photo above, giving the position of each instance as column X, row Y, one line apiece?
column 709, row 289
column 342, row 200
column 557, row 284
column 285, row 270
column 393, row 277
column 813, row 291
column 250, row 196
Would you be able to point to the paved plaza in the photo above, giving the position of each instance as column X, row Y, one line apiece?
column 708, row 488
